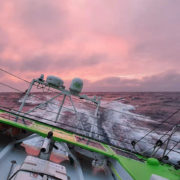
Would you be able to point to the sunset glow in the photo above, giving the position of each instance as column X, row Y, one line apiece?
column 120, row 45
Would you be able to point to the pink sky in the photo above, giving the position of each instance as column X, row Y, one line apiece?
column 112, row 45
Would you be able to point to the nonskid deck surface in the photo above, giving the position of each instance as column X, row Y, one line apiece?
column 135, row 168
column 18, row 155
column 64, row 135
column 118, row 128
column 58, row 133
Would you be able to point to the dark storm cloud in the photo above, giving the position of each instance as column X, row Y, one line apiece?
column 48, row 62
column 162, row 82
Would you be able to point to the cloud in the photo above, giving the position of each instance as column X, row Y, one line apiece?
column 47, row 62
column 3, row 40
column 163, row 82
column 91, row 39
column 43, row 19
column 156, row 29
column 168, row 81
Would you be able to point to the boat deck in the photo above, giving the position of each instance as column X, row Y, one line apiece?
column 136, row 169
column 17, row 153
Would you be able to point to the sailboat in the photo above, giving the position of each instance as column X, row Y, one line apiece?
column 33, row 146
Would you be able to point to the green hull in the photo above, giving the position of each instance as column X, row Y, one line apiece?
column 137, row 169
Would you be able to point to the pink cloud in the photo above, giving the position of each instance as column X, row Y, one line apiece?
column 91, row 39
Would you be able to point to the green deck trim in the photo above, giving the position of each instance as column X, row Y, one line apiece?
column 108, row 148
column 115, row 172
column 138, row 170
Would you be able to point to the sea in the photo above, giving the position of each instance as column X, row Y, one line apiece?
column 131, row 120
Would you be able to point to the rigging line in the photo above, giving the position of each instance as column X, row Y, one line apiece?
column 14, row 75
column 39, row 99
column 71, row 109
column 88, row 123
column 178, row 152
column 159, row 147
column 94, row 116
column 99, row 135
column 81, row 113
column 64, row 107
column 112, row 137
column 160, row 124
column 165, row 134
column 156, row 132
column 55, row 103
column 138, row 105
column 157, row 104
column 101, row 141
column 23, row 92
column 97, row 118
column 130, row 127
column 85, row 114
column 49, row 102
column 166, row 142
column 175, row 141
column 48, row 88
column 20, row 78
column 10, row 87
column 78, row 128
column 55, row 91
column 168, row 132
column 164, row 105
column 88, row 114
column 172, row 149
column 65, row 125
column 134, row 115
column 85, row 130
column 100, row 128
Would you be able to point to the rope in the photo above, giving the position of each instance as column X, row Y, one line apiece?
column 164, row 121
column 160, row 124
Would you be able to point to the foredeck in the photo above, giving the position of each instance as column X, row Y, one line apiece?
column 134, row 165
